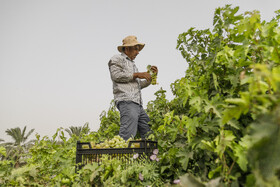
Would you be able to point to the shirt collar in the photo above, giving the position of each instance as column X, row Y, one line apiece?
column 124, row 55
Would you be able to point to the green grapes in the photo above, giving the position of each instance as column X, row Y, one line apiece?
column 153, row 74
column 116, row 142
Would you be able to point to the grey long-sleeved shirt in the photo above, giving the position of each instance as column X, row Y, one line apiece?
column 125, row 88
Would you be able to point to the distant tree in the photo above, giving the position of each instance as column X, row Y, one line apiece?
column 2, row 150
column 78, row 131
column 19, row 145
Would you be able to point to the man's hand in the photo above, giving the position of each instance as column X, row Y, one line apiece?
column 143, row 75
column 154, row 69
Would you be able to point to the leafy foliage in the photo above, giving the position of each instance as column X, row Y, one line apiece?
column 232, row 80
column 109, row 123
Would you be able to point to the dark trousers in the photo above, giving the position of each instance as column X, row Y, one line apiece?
column 133, row 119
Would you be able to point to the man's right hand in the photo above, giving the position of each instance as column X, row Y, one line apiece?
column 143, row 75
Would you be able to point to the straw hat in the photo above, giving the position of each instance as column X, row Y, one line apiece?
column 130, row 41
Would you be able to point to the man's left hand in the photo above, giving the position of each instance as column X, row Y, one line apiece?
column 154, row 69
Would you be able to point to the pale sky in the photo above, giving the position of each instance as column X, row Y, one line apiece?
column 54, row 53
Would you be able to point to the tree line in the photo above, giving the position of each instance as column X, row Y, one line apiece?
column 21, row 142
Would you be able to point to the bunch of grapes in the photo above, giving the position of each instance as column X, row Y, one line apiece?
column 116, row 142
column 153, row 74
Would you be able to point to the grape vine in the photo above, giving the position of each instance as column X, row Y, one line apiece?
column 222, row 128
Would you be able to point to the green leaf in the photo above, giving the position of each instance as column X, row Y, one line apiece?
column 230, row 113
column 163, row 168
column 190, row 180
column 208, row 145
column 185, row 156
column 236, row 101
column 241, row 155
column 196, row 103
column 94, row 174
column 211, row 108
column 191, row 124
column 91, row 167
column 224, row 140
column 216, row 84
column 213, row 172
column 234, row 123
column 264, row 151
column 2, row 151
column 33, row 171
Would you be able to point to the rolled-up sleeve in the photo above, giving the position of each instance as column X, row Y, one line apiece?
column 118, row 71
column 144, row 83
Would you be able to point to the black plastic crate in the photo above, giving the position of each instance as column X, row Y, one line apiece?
column 87, row 156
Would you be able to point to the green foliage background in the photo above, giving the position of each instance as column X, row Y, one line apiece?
column 221, row 129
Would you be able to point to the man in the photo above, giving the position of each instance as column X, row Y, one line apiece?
column 127, row 85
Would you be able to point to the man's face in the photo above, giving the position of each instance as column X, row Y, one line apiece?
column 132, row 52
